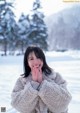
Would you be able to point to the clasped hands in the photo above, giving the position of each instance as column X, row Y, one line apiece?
column 36, row 72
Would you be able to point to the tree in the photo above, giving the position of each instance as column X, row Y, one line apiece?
column 8, row 26
column 37, row 33
column 23, row 26
column 76, row 39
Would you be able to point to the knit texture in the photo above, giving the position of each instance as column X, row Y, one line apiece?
column 51, row 96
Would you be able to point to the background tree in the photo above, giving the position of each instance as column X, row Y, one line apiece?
column 37, row 33
column 23, row 26
column 8, row 26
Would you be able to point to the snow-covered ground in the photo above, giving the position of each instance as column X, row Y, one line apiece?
column 66, row 63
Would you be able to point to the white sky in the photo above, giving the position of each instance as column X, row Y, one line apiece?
column 48, row 6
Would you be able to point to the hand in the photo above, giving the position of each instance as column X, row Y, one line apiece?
column 40, row 74
column 34, row 74
column 37, row 73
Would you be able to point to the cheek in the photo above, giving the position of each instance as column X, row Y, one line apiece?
column 30, row 64
column 41, row 63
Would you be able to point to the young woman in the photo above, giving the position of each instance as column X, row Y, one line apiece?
column 40, row 89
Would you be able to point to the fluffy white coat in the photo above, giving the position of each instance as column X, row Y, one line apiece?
column 51, row 96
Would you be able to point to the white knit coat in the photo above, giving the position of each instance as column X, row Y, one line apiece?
column 51, row 96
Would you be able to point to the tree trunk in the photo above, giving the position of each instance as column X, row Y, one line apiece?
column 5, row 46
column 22, row 47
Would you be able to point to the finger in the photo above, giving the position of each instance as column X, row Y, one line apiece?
column 40, row 68
column 32, row 67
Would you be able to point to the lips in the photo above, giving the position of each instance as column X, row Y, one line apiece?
column 37, row 66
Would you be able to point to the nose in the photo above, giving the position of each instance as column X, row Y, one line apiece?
column 36, row 62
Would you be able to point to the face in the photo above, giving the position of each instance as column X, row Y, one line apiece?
column 33, row 61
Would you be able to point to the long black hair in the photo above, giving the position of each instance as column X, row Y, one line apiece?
column 39, row 54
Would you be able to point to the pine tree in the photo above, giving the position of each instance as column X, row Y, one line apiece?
column 7, row 25
column 23, row 26
column 38, row 31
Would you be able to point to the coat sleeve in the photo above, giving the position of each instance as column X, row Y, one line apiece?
column 55, row 94
column 24, row 98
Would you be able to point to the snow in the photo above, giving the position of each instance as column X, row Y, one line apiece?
column 66, row 63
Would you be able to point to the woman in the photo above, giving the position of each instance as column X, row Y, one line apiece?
column 40, row 89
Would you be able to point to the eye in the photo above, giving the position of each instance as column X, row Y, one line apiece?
column 38, row 57
column 31, row 58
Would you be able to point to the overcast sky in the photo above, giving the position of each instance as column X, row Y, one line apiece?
column 48, row 6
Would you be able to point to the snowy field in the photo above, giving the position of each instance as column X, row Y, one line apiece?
column 66, row 63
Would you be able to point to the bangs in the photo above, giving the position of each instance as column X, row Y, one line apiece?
column 38, row 54
column 37, row 51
